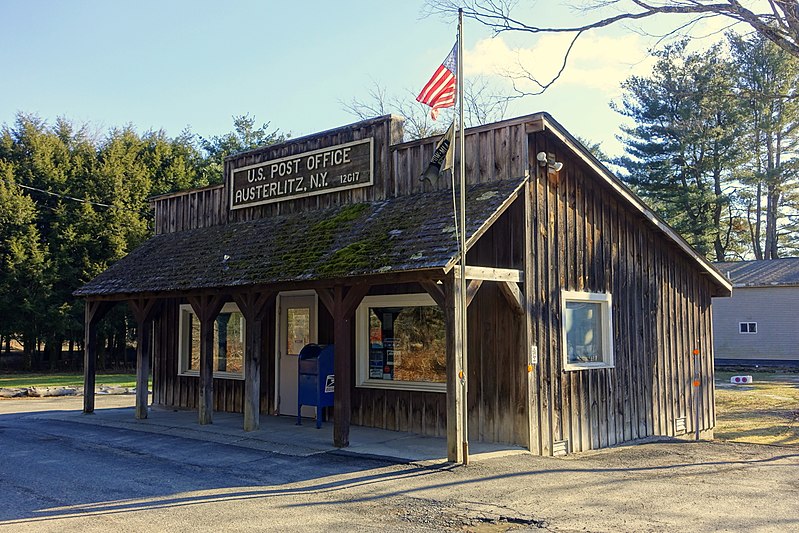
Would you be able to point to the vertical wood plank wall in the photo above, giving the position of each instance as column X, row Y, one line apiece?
column 173, row 390
column 496, row 152
column 584, row 238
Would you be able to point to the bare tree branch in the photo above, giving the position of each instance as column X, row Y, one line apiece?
column 481, row 106
column 776, row 20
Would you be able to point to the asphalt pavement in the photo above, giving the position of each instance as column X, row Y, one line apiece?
column 61, row 475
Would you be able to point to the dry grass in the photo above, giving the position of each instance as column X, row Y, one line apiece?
column 766, row 412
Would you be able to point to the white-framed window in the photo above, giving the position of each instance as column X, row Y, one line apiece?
column 400, row 343
column 228, row 343
column 747, row 328
column 587, row 327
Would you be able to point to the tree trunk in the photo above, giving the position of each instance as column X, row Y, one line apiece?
column 757, row 246
column 717, row 210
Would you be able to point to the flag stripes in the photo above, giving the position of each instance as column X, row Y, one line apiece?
column 439, row 92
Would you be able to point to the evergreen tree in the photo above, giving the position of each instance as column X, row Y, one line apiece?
column 245, row 136
column 767, row 78
column 86, row 205
column 23, row 262
column 683, row 147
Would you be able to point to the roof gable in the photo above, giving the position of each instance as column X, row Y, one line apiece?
column 632, row 200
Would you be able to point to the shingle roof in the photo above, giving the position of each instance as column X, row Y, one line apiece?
column 762, row 273
column 406, row 233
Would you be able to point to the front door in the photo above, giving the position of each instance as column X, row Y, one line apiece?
column 296, row 328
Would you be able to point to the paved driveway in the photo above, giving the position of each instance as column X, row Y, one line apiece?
column 64, row 476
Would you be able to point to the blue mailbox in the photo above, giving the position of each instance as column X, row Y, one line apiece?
column 316, row 380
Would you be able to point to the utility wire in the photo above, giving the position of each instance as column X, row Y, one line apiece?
column 67, row 197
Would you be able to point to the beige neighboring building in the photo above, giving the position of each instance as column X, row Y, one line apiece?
column 759, row 325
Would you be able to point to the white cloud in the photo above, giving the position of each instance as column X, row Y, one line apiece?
column 598, row 63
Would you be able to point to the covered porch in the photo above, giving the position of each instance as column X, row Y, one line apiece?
column 340, row 255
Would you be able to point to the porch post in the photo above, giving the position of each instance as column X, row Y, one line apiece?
column 144, row 311
column 253, row 305
column 206, row 307
column 95, row 310
column 526, row 338
column 455, row 400
column 344, row 306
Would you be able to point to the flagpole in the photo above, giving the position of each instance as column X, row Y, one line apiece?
column 462, row 281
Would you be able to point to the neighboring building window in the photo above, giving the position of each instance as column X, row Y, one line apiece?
column 400, row 342
column 587, row 330
column 747, row 327
column 228, row 343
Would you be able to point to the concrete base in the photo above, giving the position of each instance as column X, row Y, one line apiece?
column 279, row 434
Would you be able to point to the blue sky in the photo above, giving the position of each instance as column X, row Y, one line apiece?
column 172, row 64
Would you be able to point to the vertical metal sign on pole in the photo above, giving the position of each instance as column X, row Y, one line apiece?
column 697, row 393
column 462, row 303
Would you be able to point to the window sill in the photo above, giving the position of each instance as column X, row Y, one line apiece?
column 586, row 366
column 403, row 385
column 217, row 375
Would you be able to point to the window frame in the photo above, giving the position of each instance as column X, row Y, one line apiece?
column 748, row 329
column 605, row 300
column 184, row 333
column 362, row 379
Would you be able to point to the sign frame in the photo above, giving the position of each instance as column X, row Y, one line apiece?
column 306, row 194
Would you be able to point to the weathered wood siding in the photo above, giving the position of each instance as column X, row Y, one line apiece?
column 198, row 208
column 495, row 152
column 583, row 237
column 173, row 390
column 586, row 239
column 497, row 400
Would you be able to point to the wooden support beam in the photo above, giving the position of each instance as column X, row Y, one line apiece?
column 344, row 305
column 354, row 297
column 94, row 312
column 253, row 305
column 206, row 307
column 534, row 126
column 326, row 297
column 526, row 339
column 513, row 295
column 436, row 292
column 471, row 290
column 455, row 399
column 144, row 311
column 491, row 274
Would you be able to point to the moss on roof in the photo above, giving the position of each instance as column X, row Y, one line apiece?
column 406, row 233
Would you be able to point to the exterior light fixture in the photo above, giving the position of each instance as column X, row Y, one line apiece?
column 548, row 160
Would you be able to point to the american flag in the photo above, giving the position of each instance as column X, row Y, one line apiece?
column 439, row 92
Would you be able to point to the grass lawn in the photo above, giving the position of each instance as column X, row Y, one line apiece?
column 16, row 381
column 766, row 412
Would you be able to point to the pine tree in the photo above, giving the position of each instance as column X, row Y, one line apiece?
column 683, row 147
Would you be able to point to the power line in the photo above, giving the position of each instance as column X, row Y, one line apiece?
column 65, row 196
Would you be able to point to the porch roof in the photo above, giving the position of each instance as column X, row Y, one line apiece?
column 407, row 233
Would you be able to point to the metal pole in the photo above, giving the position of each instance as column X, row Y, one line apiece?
column 462, row 303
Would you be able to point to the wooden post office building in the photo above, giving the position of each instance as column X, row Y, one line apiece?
column 584, row 307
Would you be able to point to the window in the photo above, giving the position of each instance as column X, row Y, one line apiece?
column 400, row 341
column 747, row 327
column 587, row 330
column 228, row 343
